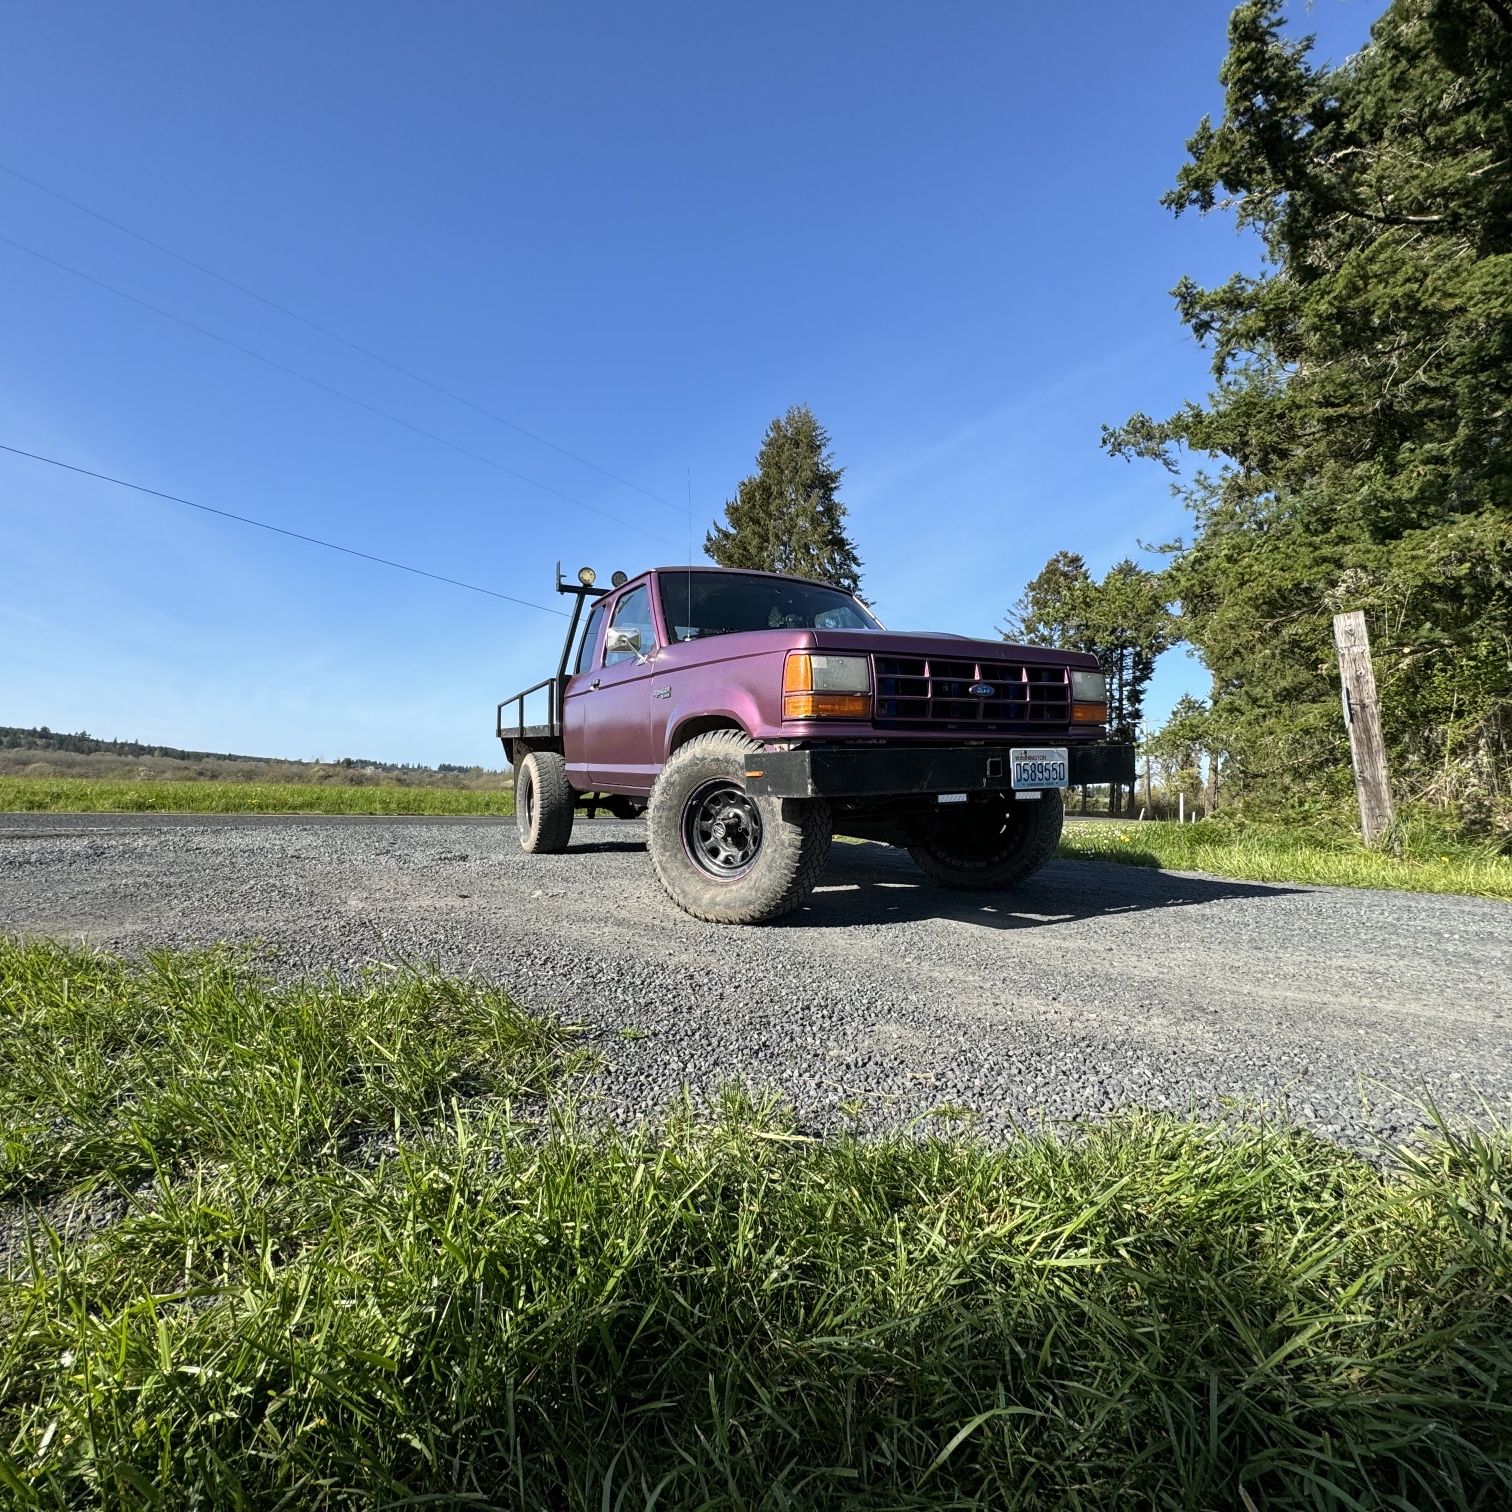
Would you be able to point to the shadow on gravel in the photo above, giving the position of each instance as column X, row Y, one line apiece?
column 869, row 885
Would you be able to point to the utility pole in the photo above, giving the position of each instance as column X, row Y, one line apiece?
column 1362, row 718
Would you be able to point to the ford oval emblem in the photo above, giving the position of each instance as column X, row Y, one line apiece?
column 981, row 690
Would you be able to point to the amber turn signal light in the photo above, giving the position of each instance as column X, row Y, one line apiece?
column 1089, row 713
column 826, row 705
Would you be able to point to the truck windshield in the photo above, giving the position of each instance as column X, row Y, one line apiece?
column 699, row 604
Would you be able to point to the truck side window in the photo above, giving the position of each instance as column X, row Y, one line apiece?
column 590, row 638
column 633, row 612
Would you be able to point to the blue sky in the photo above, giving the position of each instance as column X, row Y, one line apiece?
column 637, row 231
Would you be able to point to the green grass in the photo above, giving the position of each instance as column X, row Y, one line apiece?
column 85, row 795
column 1259, row 853
column 359, row 1263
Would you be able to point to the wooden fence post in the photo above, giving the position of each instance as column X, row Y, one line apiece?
column 1362, row 717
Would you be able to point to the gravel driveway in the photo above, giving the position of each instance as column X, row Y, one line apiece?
column 1091, row 987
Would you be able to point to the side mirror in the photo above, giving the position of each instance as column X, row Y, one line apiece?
column 622, row 640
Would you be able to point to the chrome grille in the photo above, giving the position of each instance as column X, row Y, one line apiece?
column 928, row 690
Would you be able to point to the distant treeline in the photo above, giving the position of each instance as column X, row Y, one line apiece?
column 45, row 753
column 13, row 738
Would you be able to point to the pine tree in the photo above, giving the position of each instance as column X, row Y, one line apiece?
column 1123, row 621
column 787, row 517
column 1355, row 450
column 1182, row 744
column 1053, row 608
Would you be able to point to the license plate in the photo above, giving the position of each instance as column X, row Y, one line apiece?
column 1039, row 767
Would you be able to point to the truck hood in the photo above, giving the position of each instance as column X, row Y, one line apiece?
column 936, row 644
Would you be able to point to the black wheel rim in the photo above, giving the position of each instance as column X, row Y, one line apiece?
column 721, row 830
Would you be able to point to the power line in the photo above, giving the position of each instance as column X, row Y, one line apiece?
column 893, row 612
column 226, row 514
column 326, row 331
column 373, row 409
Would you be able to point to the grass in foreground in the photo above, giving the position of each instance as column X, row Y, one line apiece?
column 85, row 795
column 1254, row 853
column 517, row 1314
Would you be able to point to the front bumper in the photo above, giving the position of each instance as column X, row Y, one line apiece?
column 894, row 771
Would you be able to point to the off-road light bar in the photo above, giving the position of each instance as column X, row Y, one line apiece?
column 825, row 687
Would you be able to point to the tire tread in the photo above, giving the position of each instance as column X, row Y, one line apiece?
column 555, row 803
column 1039, row 846
column 795, row 840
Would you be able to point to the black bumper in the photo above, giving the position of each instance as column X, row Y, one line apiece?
column 894, row 771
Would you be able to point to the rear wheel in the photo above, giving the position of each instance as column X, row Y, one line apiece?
column 992, row 841
column 723, row 854
column 543, row 803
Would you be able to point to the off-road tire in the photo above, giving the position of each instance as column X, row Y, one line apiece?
column 543, row 803
column 1033, row 832
column 793, row 844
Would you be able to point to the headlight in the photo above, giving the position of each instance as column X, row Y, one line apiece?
column 1089, row 697
column 816, row 686
column 838, row 674
column 1088, row 687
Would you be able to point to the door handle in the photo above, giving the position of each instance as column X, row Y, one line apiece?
column 596, row 681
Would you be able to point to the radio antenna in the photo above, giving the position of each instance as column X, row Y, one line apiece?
column 690, row 551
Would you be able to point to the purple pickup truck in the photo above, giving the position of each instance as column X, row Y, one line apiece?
column 752, row 716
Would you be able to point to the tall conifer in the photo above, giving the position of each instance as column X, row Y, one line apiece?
column 1355, row 449
column 787, row 516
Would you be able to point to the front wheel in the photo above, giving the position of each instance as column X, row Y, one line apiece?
column 991, row 841
column 722, row 854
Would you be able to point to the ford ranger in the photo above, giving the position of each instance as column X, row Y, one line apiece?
column 752, row 716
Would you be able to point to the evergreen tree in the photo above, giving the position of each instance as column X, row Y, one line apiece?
column 1129, row 626
column 1123, row 621
column 1180, row 746
column 1052, row 610
column 787, row 517
column 1361, row 418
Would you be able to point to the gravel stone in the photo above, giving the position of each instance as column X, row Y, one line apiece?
column 1089, row 988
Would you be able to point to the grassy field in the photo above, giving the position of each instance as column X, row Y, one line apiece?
column 1254, row 853
column 1250, row 853
column 341, row 1251
column 84, row 795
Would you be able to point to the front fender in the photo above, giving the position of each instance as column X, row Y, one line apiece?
column 734, row 711
column 743, row 690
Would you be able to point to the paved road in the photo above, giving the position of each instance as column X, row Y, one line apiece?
column 1091, row 987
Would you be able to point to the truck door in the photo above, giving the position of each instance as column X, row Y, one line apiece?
column 617, row 712
column 575, row 701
